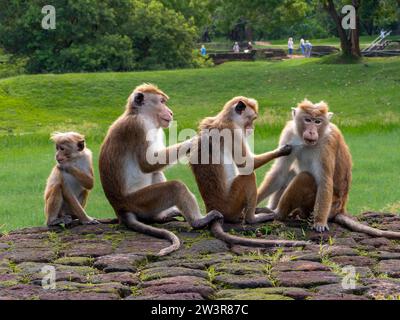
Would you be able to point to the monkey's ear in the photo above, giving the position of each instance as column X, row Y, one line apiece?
column 240, row 107
column 139, row 99
column 81, row 145
column 294, row 112
column 330, row 115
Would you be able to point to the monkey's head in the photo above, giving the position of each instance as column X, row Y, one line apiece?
column 69, row 145
column 149, row 101
column 243, row 112
column 311, row 121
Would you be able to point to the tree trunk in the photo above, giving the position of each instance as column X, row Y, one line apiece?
column 350, row 44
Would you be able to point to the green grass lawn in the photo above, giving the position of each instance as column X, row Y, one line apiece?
column 365, row 98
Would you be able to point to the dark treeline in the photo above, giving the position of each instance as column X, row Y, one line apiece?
column 122, row 35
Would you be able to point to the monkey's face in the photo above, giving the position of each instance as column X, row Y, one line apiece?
column 311, row 127
column 244, row 117
column 164, row 114
column 154, row 107
column 66, row 151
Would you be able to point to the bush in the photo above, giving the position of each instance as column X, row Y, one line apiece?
column 98, row 35
column 109, row 53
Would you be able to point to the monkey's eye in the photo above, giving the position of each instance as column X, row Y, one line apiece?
column 307, row 120
column 163, row 101
column 318, row 121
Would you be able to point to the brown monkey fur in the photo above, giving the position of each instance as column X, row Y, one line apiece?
column 137, row 189
column 222, row 186
column 315, row 179
column 70, row 181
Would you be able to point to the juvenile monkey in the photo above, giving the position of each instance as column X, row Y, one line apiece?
column 70, row 181
column 224, row 167
column 135, row 186
column 315, row 179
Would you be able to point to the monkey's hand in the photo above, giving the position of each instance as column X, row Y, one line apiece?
column 64, row 167
column 320, row 227
column 285, row 150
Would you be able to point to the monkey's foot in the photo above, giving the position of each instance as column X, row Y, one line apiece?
column 264, row 210
column 168, row 216
column 65, row 220
column 91, row 222
column 320, row 227
column 206, row 221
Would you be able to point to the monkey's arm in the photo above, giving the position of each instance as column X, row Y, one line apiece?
column 84, row 179
column 323, row 202
column 276, row 178
column 260, row 160
column 153, row 161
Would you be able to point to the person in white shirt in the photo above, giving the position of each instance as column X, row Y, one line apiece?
column 236, row 48
column 303, row 46
column 290, row 46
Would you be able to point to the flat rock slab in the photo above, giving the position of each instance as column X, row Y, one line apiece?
column 109, row 262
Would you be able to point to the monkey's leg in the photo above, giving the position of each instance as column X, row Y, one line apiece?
column 243, row 197
column 150, row 201
column 53, row 206
column 169, row 214
column 75, row 206
column 276, row 197
column 299, row 195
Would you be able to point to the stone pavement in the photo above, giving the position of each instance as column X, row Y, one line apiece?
column 108, row 262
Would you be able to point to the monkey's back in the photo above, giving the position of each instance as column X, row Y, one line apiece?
column 123, row 136
column 343, row 173
column 210, row 179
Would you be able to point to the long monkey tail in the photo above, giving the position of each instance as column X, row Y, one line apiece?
column 220, row 234
column 131, row 221
column 350, row 223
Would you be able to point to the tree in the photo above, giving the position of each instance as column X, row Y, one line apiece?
column 259, row 18
column 349, row 39
column 94, row 35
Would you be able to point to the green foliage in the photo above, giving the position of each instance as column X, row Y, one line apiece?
column 93, row 35
column 162, row 38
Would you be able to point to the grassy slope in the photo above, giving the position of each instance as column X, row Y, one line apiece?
column 364, row 98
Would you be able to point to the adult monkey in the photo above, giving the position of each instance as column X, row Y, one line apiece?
column 224, row 166
column 136, row 187
column 315, row 179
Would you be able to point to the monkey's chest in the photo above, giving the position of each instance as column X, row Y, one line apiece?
column 230, row 169
column 308, row 160
column 135, row 179
column 73, row 184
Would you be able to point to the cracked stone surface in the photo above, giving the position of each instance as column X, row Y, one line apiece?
column 109, row 262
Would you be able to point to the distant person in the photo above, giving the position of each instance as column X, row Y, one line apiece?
column 290, row 47
column 303, row 46
column 308, row 49
column 250, row 46
column 383, row 33
column 203, row 50
column 236, row 47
